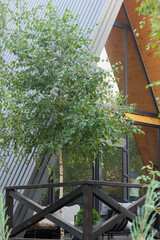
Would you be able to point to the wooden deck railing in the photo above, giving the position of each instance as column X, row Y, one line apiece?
column 86, row 189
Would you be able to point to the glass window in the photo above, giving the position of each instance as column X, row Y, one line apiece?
column 112, row 171
column 143, row 149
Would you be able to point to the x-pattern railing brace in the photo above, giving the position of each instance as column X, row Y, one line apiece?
column 45, row 213
column 122, row 212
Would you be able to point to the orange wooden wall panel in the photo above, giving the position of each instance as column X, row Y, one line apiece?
column 137, row 79
column 115, row 50
column 121, row 17
column 136, row 75
column 148, row 145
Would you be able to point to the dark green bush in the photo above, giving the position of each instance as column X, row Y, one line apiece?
column 79, row 218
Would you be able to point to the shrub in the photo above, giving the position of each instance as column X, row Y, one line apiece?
column 4, row 230
column 79, row 218
column 147, row 214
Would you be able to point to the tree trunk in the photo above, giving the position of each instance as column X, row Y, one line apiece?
column 61, row 172
column 61, row 188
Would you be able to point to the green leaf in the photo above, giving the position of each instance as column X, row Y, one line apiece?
column 153, row 45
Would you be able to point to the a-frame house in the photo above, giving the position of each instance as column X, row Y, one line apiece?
column 117, row 20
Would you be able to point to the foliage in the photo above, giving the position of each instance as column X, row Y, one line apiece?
column 53, row 95
column 79, row 218
column 112, row 170
column 147, row 214
column 151, row 9
column 4, row 231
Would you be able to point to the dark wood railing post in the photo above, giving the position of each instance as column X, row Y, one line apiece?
column 9, row 209
column 87, row 212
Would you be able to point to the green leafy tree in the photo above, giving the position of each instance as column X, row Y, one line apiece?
column 53, row 96
column 151, row 10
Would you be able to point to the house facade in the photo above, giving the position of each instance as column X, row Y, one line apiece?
column 117, row 20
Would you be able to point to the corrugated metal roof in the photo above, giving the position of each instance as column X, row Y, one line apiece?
column 17, row 173
column 89, row 12
column 23, row 174
column 37, row 177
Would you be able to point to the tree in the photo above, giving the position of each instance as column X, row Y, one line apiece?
column 53, row 96
column 151, row 10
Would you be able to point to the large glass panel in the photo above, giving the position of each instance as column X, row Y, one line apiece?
column 112, row 171
column 135, row 168
column 73, row 171
column 143, row 149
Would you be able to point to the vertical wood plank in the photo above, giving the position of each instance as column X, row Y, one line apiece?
column 9, row 209
column 87, row 212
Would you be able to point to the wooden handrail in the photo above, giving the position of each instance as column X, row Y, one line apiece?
column 79, row 183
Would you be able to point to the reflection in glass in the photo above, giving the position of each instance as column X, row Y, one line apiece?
column 112, row 171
